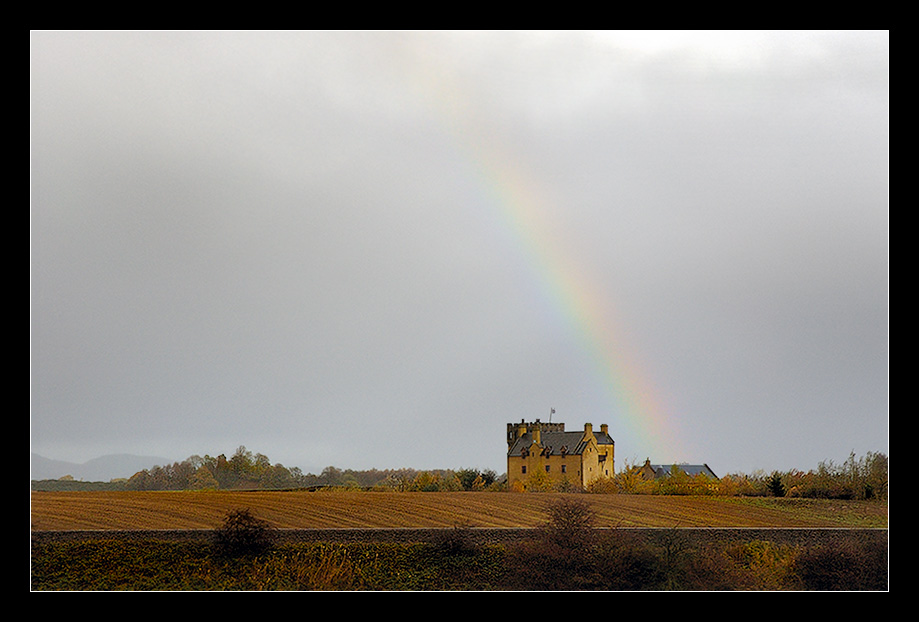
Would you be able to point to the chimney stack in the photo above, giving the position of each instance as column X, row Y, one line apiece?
column 521, row 429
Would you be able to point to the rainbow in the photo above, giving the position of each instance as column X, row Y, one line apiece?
column 579, row 302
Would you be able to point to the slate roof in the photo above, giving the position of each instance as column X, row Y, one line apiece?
column 663, row 470
column 556, row 441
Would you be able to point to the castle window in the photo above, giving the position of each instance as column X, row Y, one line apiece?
column 523, row 469
column 564, row 468
column 547, row 468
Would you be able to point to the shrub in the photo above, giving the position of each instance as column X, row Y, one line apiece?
column 244, row 534
column 630, row 481
column 624, row 562
column 707, row 568
column 856, row 478
column 473, row 479
column 538, row 481
column 860, row 566
column 559, row 555
column 603, row 486
column 762, row 565
column 570, row 524
column 775, row 486
column 458, row 540
column 541, row 564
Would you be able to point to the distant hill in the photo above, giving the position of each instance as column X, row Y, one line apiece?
column 102, row 469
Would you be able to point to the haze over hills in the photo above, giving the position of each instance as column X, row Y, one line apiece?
column 102, row 469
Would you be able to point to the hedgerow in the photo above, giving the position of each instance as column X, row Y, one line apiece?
column 608, row 560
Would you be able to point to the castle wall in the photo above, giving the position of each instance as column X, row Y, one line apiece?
column 536, row 470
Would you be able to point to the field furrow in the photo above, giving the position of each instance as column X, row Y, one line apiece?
column 56, row 511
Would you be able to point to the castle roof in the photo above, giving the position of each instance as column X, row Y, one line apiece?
column 557, row 443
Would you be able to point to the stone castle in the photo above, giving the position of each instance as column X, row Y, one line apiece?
column 546, row 452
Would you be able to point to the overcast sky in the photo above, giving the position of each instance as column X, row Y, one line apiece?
column 376, row 249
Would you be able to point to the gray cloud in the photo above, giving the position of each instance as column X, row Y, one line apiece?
column 297, row 242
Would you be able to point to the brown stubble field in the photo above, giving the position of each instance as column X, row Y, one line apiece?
column 65, row 511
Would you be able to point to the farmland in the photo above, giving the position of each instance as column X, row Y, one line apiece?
column 64, row 511
column 332, row 541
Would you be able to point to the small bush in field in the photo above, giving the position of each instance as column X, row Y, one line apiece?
column 571, row 523
column 244, row 534
column 458, row 540
column 559, row 555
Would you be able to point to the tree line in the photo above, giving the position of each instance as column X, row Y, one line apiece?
column 246, row 470
column 863, row 477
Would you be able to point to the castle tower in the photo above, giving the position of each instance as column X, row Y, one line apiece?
column 544, row 454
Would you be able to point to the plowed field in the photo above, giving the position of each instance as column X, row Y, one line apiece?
column 62, row 511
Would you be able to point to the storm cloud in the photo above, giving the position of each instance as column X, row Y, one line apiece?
column 375, row 249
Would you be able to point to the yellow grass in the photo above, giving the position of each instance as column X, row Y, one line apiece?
column 52, row 511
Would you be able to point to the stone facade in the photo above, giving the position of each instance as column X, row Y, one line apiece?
column 541, row 455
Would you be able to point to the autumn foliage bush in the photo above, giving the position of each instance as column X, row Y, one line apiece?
column 559, row 555
column 857, row 478
column 864, row 478
column 243, row 534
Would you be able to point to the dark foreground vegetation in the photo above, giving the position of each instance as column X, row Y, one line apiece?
column 566, row 553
